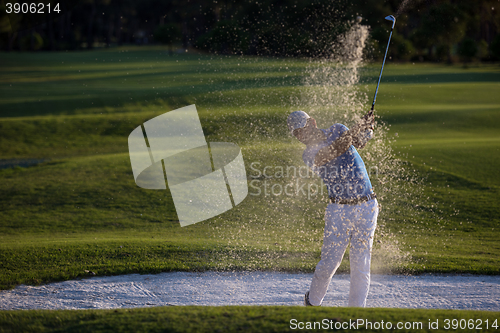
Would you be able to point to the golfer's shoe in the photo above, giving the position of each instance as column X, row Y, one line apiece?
column 306, row 300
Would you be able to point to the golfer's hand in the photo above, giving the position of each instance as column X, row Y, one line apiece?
column 368, row 120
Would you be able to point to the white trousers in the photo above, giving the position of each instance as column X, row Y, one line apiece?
column 344, row 223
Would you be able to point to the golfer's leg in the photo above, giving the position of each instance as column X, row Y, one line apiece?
column 335, row 242
column 360, row 252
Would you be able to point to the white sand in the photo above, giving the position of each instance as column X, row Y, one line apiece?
column 255, row 288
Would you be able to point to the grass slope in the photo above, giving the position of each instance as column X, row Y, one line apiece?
column 249, row 319
column 80, row 210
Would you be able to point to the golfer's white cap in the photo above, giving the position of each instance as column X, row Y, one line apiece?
column 297, row 119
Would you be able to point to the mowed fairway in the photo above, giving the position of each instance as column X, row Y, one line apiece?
column 447, row 120
column 251, row 319
column 80, row 213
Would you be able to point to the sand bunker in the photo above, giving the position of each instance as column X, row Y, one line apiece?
column 253, row 288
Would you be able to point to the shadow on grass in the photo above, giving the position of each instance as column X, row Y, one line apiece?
column 465, row 77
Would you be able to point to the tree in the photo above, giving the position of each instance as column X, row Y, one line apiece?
column 495, row 48
column 467, row 50
column 227, row 37
column 167, row 34
column 442, row 26
column 9, row 24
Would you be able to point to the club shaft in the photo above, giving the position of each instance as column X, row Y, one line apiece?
column 382, row 69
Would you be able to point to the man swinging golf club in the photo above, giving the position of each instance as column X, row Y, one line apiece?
column 351, row 215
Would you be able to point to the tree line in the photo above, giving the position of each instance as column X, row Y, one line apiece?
column 426, row 30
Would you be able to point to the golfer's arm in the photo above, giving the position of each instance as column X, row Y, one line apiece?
column 337, row 148
column 358, row 144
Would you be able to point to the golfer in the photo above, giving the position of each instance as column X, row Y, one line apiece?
column 351, row 215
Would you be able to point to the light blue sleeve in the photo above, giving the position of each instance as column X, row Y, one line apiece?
column 308, row 158
column 336, row 130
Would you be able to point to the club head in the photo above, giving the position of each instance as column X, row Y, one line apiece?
column 392, row 19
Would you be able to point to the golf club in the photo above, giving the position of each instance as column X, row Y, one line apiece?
column 393, row 19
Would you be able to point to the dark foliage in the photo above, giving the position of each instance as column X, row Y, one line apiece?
column 425, row 30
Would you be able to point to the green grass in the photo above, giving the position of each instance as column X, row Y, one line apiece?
column 80, row 210
column 447, row 124
column 239, row 318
